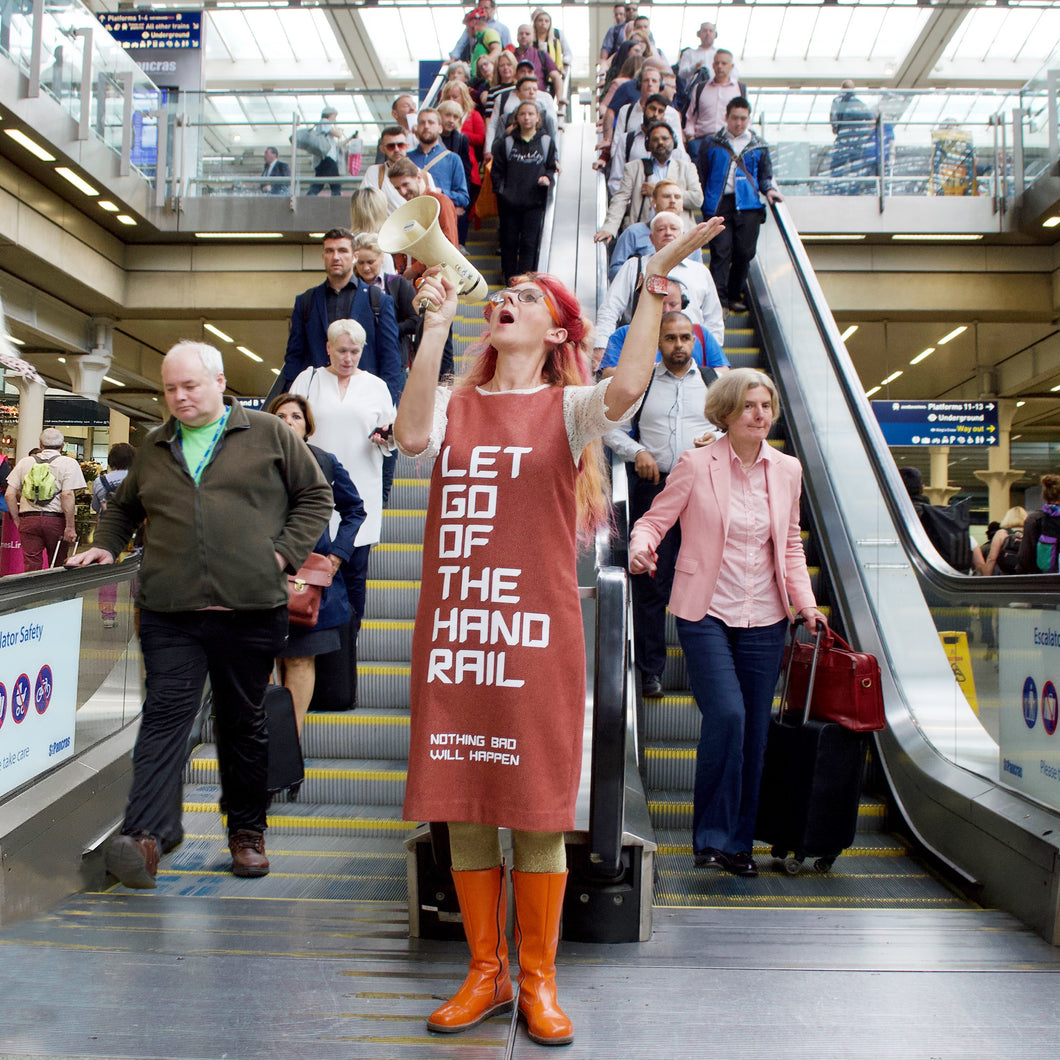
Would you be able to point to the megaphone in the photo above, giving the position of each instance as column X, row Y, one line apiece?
column 413, row 229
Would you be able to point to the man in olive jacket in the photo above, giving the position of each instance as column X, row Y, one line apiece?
column 232, row 502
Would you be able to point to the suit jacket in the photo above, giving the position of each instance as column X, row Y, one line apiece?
column 629, row 206
column 697, row 492
column 279, row 169
column 308, row 337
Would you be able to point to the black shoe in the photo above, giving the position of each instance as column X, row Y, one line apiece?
column 739, row 864
column 651, row 686
column 709, row 856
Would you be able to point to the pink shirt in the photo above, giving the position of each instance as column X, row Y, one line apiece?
column 706, row 111
column 746, row 593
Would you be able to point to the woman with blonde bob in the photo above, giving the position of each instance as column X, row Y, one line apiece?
column 1011, row 523
column 741, row 562
column 518, row 447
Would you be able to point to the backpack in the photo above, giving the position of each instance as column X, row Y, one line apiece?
column 1008, row 557
column 375, row 300
column 108, row 489
column 1047, row 538
column 39, row 485
column 948, row 529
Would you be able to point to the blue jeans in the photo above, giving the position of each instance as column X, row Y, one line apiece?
column 733, row 672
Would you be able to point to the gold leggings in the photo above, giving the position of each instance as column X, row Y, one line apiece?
column 477, row 846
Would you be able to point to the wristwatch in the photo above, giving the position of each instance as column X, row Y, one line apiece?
column 657, row 284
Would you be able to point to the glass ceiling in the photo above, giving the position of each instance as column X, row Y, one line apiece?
column 1010, row 42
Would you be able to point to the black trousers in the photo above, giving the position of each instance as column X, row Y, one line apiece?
column 236, row 650
column 732, row 251
column 651, row 594
column 520, row 235
column 326, row 167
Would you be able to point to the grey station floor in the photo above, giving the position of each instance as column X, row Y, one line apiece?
column 226, row 972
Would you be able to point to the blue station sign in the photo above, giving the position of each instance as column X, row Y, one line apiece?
column 937, row 422
column 134, row 30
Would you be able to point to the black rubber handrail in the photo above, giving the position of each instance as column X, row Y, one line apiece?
column 607, row 791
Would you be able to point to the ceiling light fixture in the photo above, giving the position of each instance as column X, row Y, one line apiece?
column 111, row 379
column 1054, row 389
column 952, row 335
column 891, row 378
column 944, row 237
column 249, row 353
column 110, row 207
column 923, row 354
column 275, row 371
column 849, row 331
column 833, row 237
column 1020, row 404
column 34, row 148
column 78, row 182
column 219, row 333
column 126, row 219
column 1052, row 222
column 874, row 390
column 239, row 235
column 17, row 342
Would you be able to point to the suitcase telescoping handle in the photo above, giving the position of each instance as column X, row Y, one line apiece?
column 817, row 641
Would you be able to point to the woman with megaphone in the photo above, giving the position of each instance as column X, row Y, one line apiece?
column 498, row 669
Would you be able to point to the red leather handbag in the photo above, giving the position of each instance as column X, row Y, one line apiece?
column 305, row 589
column 845, row 683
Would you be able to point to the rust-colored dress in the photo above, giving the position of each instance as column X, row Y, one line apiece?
column 498, row 652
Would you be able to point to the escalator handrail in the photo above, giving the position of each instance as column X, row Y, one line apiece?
column 992, row 591
column 607, row 791
column 33, row 589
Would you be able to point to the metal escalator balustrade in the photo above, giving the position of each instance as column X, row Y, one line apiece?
column 895, row 596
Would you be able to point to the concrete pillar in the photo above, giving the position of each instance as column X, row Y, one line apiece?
column 939, row 491
column 999, row 476
column 119, row 428
column 30, row 414
column 86, row 370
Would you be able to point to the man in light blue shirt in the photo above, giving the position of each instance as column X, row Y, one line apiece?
column 431, row 156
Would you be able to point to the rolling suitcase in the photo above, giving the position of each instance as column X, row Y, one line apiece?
column 286, row 769
column 811, row 784
column 336, row 674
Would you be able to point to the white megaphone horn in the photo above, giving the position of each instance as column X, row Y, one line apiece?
column 413, row 229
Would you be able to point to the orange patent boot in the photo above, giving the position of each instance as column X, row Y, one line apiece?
column 487, row 989
column 538, row 905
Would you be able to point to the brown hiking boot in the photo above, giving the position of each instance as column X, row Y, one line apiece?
column 248, row 853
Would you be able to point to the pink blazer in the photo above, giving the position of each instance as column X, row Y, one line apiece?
column 697, row 493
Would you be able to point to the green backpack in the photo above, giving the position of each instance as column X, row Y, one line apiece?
column 39, row 485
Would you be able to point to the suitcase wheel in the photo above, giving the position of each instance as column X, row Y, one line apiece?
column 824, row 864
column 792, row 866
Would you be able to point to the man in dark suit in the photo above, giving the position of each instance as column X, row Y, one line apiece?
column 274, row 167
column 343, row 296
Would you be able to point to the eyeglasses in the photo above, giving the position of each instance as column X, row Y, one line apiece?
column 520, row 294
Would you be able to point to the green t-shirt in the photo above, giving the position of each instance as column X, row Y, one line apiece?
column 482, row 46
column 199, row 442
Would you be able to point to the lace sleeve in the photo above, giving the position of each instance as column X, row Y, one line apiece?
column 585, row 415
column 441, row 405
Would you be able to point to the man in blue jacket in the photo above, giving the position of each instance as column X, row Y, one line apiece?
column 432, row 156
column 343, row 296
column 734, row 167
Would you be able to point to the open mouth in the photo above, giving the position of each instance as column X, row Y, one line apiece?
column 506, row 316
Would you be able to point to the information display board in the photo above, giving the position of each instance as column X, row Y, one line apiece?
column 39, row 653
column 937, row 422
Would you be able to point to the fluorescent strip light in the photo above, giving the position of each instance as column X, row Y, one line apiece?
column 275, row 371
column 952, row 335
column 62, row 360
column 219, row 333
column 946, row 237
column 891, row 378
column 1051, row 223
column 111, row 379
column 78, row 182
column 316, row 235
column 874, row 390
column 126, row 219
column 849, row 331
column 1054, row 389
column 835, row 237
column 239, row 235
column 34, row 148
column 924, row 353
column 110, row 207
column 17, row 342
column 1020, row 404
column 249, row 353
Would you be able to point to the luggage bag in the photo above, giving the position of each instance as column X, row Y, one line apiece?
column 286, row 769
column 811, row 784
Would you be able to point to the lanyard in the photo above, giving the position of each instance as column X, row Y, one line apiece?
column 197, row 473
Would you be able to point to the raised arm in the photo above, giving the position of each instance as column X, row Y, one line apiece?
column 642, row 339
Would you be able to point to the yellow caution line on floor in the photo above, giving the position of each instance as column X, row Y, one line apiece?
column 315, row 773
column 393, row 547
column 380, row 583
column 351, row 718
column 333, row 823
column 404, row 513
column 763, row 901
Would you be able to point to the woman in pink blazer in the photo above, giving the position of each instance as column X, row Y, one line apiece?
column 741, row 562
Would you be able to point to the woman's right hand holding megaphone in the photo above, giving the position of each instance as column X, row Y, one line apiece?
column 436, row 293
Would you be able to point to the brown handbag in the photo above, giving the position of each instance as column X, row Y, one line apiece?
column 305, row 588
